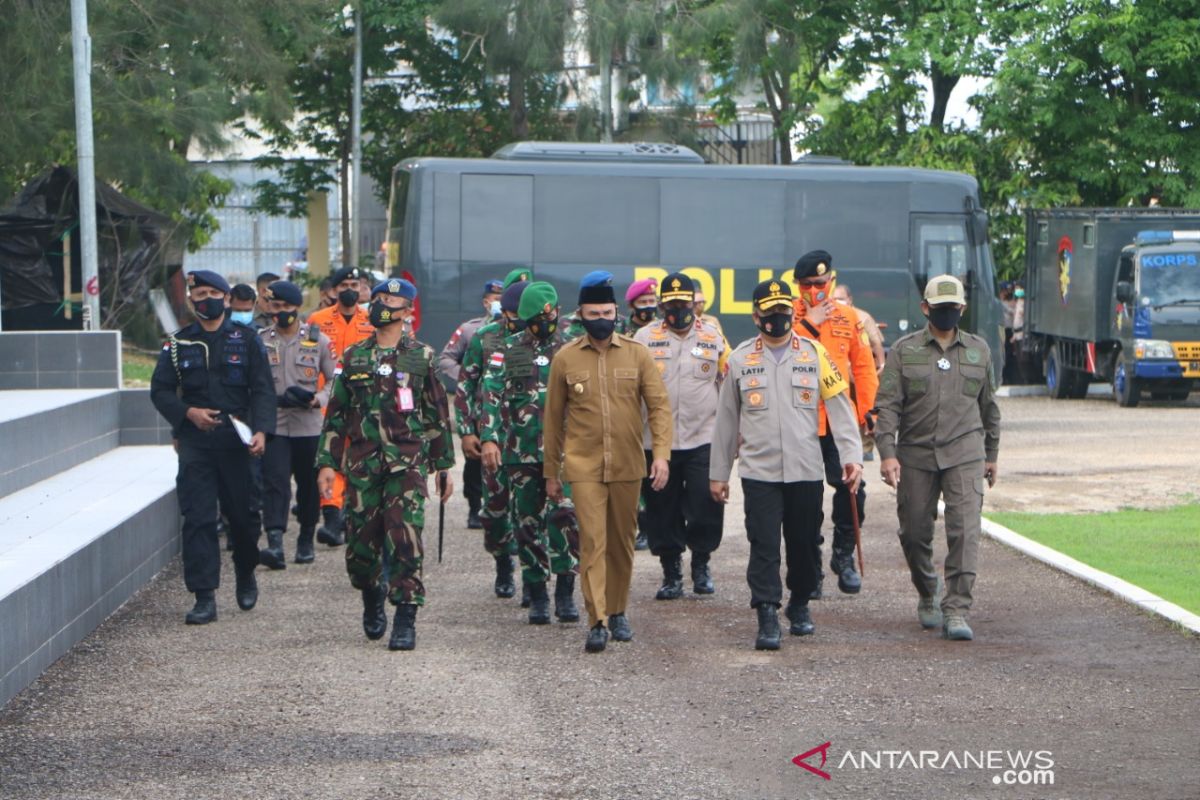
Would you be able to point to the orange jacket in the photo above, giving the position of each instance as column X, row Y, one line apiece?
column 845, row 339
column 341, row 333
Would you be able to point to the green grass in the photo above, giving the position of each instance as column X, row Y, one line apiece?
column 137, row 367
column 1156, row 550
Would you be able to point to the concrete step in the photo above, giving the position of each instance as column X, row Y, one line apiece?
column 74, row 547
column 48, row 431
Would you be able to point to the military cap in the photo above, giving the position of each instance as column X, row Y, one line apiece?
column 518, row 274
column 539, row 297
column 944, row 289
column 287, row 292
column 396, row 287
column 813, row 264
column 347, row 273
column 492, row 287
column 204, row 277
column 596, row 287
column 678, row 286
column 770, row 294
column 510, row 301
column 639, row 288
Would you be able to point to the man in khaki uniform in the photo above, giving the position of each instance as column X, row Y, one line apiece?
column 938, row 433
column 593, row 440
column 690, row 355
column 770, row 403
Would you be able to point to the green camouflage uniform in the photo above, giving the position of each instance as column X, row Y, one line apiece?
column 494, row 513
column 514, row 401
column 572, row 326
column 386, row 455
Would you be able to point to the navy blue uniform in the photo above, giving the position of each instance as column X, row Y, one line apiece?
column 225, row 370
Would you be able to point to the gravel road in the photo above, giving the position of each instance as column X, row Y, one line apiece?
column 291, row 701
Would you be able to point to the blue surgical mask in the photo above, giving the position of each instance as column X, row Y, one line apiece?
column 244, row 317
column 494, row 309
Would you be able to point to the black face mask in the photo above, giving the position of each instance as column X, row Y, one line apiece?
column 348, row 298
column 381, row 315
column 643, row 316
column 775, row 325
column 599, row 329
column 285, row 319
column 543, row 328
column 514, row 325
column 209, row 308
column 680, row 319
column 945, row 318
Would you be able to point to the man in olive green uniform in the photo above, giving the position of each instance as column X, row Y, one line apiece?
column 498, row 539
column 386, row 425
column 514, row 402
column 938, row 433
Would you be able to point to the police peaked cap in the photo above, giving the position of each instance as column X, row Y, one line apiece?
column 347, row 273
column 286, row 292
column 396, row 287
column 538, row 298
column 813, row 264
column 204, row 277
column 596, row 287
column 677, row 286
column 510, row 301
column 519, row 274
column 770, row 294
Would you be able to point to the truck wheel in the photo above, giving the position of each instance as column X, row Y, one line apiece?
column 1058, row 378
column 1126, row 390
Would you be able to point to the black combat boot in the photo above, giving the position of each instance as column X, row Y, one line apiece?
column 205, row 610
column 404, row 628
column 672, row 582
column 330, row 532
column 272, row 557
column 374, row 612
column 539, row 608
column 246, row 589
column 304, row 545
column 768, row 627
column 504, row 576
column 702, row 582
column 474, row 523
column 800, row 617
column 597, row 638
column 815, row 594
column 526, row 598
column 841, row 562
column 564, row 598
column 621, row 630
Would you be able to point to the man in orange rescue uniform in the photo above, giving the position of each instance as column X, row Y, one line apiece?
column 838, row 328
column 345, row 323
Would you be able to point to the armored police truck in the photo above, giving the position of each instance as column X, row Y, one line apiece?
column 644, row 210
column 1114, row 294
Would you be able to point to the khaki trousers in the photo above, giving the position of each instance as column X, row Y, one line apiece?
column 607, row 516
column 916, row 505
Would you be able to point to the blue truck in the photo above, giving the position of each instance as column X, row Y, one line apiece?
column 1113, row 294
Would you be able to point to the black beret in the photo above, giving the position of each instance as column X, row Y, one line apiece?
column 287, row 292
column 510, row 301
column 813, row 264
column 346, row 273
column 204, row 277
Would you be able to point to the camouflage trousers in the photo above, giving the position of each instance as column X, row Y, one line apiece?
column 547, row 532
column 495, row 514
column 386, row 513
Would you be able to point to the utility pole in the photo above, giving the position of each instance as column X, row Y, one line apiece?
column 81, row 47
column 356, row 141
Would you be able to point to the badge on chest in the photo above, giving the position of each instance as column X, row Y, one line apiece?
column 943, row 364
column 404, row 398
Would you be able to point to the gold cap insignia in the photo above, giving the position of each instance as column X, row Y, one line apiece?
column 774, row 287
column 821, row 268
column 675, row 284
column 393, row 286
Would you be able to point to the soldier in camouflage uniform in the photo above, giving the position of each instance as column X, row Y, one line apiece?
column 514, row 401
column 572, row 324
column 386, row 425
column 498, row 537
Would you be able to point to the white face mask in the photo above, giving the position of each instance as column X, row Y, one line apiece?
column 494, row 308
column 364, row 306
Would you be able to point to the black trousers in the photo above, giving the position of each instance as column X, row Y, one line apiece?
column 843, row 520
column 473, row 483
column 206, row 478
column 288, row 457
column 794, row 509
column 683, row 515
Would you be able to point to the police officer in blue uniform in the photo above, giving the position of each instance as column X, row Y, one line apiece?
column 209, row 373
